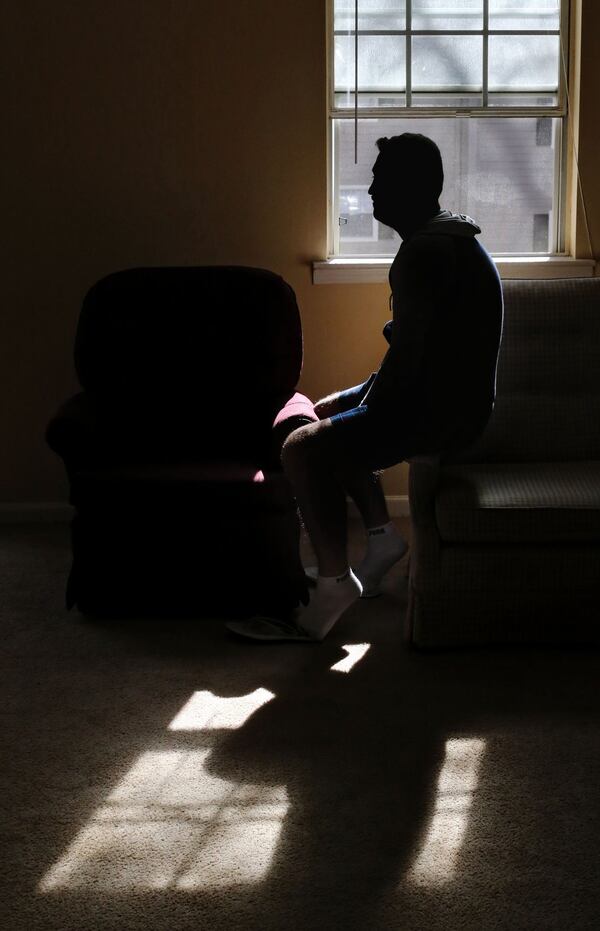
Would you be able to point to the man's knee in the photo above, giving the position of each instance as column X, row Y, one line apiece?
column 309, row 448
column 295, row 448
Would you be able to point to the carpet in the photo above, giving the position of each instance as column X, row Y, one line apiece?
column 163, row 775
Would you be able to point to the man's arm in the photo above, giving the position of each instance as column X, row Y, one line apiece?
column 342, row 400
column 421, row 281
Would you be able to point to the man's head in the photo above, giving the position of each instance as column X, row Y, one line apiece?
column 408, row 177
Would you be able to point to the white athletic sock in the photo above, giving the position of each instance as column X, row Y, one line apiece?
column 385, row 546
column 328, row 601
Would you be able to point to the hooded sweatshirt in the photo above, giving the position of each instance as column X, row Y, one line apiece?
column 438, row 379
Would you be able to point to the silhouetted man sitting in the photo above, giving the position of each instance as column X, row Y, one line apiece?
column 433, row 393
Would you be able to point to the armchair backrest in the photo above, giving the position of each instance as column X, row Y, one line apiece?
column 206, row 332
column 181, row 359
column 548, row 381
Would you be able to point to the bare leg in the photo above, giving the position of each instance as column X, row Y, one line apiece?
column 318, row 473
column 314, row 465
column 362, row 486
column 320, row 495
column 365, row 490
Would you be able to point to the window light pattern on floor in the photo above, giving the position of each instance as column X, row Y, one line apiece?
column 205, row 711
column 437, row 859
column 171, row 823
column 355, row 652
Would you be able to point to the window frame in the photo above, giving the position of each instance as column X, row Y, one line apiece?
column 558, row 111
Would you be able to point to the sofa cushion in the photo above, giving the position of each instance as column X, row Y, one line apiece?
column 519, row 502
column 548, row 379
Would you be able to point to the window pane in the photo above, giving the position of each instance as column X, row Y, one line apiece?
column 455, row 101
column 524, row 14
column 356, row 214
column 372, row 14
column 522, row 100
column 440, row 14
column 495, row 171
column 541, row 232
column 345, row 101
column 523, row 62
column 441, row 63
column 381, row 63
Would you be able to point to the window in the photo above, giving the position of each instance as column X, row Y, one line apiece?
column 356, row 214
column 486, row 80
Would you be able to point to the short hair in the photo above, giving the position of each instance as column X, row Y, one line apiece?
column 417, row 157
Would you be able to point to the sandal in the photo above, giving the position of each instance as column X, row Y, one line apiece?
column 268, row 628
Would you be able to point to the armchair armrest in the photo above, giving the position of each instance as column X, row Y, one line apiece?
column 85, row 433
column 297, row 411
column 73, row 432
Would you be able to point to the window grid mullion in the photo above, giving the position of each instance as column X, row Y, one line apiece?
column 408, row 53
column 486, row 33
column 449, row 32
column 379, row 113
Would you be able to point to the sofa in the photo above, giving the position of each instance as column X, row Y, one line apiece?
column 506, row 534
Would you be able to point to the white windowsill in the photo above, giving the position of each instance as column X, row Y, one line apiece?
column 367, row 270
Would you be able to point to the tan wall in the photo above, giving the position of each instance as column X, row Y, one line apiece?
column 162, row 131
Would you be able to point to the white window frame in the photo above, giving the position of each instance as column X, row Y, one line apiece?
column 339, row 268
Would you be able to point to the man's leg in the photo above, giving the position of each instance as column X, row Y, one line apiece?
column 365, row 490
column 314, row 466
column 318, row 461
column 385, row 543
column 319, row 494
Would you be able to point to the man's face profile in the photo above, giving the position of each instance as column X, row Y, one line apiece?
column 385, row 193
column 406, row 186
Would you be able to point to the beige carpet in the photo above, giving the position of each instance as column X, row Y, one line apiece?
column 165, row 776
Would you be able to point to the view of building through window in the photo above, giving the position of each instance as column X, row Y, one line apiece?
column 495, row 170
column 483, row 79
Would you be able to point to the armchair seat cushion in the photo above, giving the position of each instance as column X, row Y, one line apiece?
column 213, row 486
column 532, row 502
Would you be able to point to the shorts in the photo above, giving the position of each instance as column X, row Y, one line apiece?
column 367, row 441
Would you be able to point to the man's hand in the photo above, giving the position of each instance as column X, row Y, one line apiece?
column 330, row 405
column 342, row 400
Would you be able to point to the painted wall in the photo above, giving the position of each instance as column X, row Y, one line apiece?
column 163, row 132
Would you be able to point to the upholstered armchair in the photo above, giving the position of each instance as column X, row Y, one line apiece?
column 172, row 448
column 506, row 535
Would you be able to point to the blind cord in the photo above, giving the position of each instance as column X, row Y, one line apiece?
column 356, row 82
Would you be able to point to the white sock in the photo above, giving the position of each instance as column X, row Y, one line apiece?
column 328, row 601
column 385, row 546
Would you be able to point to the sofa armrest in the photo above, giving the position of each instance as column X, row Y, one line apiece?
column 423, row 480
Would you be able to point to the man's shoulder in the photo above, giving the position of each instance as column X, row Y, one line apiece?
column 421, row 255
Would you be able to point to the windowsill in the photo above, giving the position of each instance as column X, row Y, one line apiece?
column 371, row 270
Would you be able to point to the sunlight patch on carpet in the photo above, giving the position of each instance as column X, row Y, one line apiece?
column 437, row 859
column 171, row 823
column 355, row 652
column 205, row 711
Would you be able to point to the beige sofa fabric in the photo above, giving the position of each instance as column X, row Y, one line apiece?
column 506, row 535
